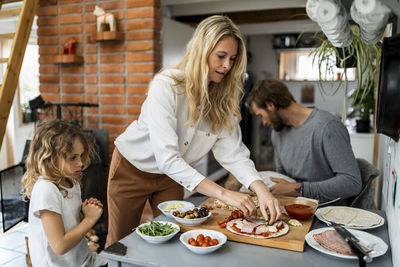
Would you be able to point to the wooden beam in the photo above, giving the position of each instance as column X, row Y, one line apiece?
column 3, row 60
column 10, row 80
column 256, row 16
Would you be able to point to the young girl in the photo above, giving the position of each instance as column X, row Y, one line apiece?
column 58, row 153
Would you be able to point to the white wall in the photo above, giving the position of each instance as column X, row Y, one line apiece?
column 175, row 36
column 265, row 65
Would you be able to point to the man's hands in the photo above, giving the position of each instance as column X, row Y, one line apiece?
column 283, row 187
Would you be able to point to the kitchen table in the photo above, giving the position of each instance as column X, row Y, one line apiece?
column 173, row 253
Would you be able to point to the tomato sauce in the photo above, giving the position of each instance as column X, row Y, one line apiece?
column 299, row 211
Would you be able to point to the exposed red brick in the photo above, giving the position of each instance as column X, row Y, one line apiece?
column 70, row 9
column 139, row 78
column 47, row 11
column 112, row 59
column 91, row 79
column 141, row 68
column 141, row 35
column 74, row 29
column 91, row 69
column 109, row 6
column 47, row 31
column 112, row 68
column 65, row 39
column 93, row 118
column 136, row 100
column 112, row 89
column 49, row 88
column 49, row 79
column 90, row 49
column 92, row 99
column 142, row 24
column 48, row 69
column 91, row 89
column 47, row 40
column 112, row 100
column 70, row 19
column 140, row 46
column 113, row 120
column 142, row 3
column 112, row 79
column 112, row 48
column 141, row 57
column 91, row 59
column 112, row 109
column 134, row 110
column 137, row 89
column 72, row 88
column 48, row 50
column 132, row 118
column 72, row 98
column 142, row 13
column 46, row 21
column 72, row 79
column 50, row 97
column 72, row 69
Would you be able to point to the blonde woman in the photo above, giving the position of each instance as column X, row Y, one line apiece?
column 57, row 155
column 190, row 110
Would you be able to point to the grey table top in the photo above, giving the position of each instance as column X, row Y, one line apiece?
column 173, row 253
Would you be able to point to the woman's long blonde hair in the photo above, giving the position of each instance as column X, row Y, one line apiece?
column 53, row 140
column 215, row 102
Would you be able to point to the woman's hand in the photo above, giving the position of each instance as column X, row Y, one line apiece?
column 240, row 201
column 268, row 203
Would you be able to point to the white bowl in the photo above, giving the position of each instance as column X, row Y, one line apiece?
column 163, row 205
column 203, row 250
column 190, row 222
column 158, row 239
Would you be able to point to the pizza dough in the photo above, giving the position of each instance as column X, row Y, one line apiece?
column 351, row 217
column 257, row 225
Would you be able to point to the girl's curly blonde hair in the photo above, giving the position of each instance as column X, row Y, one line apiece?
column 53, row 140
column 217, row 102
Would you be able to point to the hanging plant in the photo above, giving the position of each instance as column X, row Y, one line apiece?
column 367, row 60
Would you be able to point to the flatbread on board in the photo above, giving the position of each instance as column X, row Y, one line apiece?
column 239, row 222
column 351, row 216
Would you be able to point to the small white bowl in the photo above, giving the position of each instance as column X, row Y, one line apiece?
column 203, row 250
column 163, row 205
column 158, row 239
column 190, row 222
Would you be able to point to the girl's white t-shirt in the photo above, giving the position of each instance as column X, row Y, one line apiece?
column 46, row 196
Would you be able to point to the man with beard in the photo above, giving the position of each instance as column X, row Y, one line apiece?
column 311, row 146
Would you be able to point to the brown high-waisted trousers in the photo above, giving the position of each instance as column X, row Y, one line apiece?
column 127, row 193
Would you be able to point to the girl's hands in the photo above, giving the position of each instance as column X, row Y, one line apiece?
column 92, row 209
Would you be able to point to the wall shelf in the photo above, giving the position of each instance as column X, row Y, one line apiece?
column 107, row 36
column 68, row 59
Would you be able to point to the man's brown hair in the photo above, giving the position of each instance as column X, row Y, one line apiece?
column 270, row 91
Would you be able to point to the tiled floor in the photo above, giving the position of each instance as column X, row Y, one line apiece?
column 13, row 246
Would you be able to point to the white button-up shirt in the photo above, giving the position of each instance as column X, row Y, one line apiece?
column 160, row 141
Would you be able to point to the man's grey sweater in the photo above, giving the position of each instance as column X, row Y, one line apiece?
column 318, row 153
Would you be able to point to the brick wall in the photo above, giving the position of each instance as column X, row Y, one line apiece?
column 114, row 74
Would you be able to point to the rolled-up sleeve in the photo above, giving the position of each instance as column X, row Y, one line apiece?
column 162, row 122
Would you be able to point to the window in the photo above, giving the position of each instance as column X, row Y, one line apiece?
column 297, row 65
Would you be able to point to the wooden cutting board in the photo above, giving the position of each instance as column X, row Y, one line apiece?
column 293, row 240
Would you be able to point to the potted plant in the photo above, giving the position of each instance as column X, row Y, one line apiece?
column 364, row 57
column 363, row 107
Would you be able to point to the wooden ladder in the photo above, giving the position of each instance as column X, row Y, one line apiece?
column 20, row 39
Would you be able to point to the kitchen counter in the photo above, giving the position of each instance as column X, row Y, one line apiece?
column 174, row 254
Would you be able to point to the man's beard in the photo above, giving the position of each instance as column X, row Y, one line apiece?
column 276, row 121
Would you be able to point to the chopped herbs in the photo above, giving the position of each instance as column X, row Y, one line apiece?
column 157, row 229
